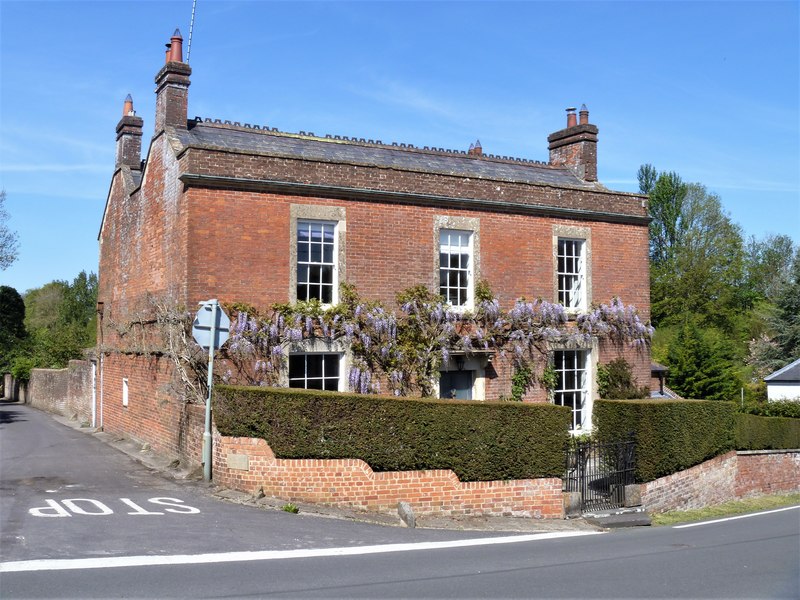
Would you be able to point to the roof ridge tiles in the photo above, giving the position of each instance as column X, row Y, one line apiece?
column 227, row 124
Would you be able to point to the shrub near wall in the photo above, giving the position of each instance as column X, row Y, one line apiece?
column 479, row 441
column 766, row 433
column 670, row 435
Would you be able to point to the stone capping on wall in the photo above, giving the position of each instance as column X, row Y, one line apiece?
column 249, row 465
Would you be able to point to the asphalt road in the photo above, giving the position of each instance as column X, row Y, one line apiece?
column 66, row 494
column 116, row 540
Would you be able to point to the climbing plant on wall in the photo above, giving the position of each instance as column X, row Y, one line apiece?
column 405, row 348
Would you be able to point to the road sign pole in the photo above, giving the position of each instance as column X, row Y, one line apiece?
column 207, row 433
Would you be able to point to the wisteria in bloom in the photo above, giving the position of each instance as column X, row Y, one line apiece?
column 617, row 321
column 406, row 349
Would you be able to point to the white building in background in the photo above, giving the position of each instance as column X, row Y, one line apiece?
column 784, row 384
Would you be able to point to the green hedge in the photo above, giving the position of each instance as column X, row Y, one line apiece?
column 766, row 433
column 670, row 435
column 480, row 441
column 774, row 408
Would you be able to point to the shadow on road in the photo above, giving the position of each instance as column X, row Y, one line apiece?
column 9, row 415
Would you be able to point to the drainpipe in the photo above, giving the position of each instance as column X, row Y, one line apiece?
column 94, row 393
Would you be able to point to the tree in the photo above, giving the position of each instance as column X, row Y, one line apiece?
column 78, row 307
column 9, row 242
column 667, row 193
column 42, row 305
column 787, row 319
column 61, row 319
column 12, row 327
column 701, row 365
column 697, row 255
column 769, row 264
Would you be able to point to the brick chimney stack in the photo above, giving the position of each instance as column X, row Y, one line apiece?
column 172, row 87
column 576, row 146
column 129, row 137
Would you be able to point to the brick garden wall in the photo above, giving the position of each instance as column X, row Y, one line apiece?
column 156, row 413
column 249, row 465
column 727, row 477
column 767, row 472
column 66, row 392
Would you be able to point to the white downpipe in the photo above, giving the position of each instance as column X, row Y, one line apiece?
column 94, row 393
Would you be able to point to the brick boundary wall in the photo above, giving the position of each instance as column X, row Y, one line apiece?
column 727, row 477
column 249, row 465
column 66, row 392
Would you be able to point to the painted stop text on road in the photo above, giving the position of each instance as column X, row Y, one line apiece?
column 152, row 507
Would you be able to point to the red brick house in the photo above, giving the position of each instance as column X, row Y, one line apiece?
column 252, row 214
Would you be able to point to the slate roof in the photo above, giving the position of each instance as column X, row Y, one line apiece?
column 405, row 157
column 788, row 374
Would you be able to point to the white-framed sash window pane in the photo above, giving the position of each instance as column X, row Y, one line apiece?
column 571, row 272
column 316, row 260
column 315, row 371
column 455, row 267
column 572, row 388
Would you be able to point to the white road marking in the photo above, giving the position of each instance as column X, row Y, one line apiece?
column 747, row 516
column 71, row 507
column 223, row 557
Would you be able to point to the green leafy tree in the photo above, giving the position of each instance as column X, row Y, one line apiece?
column 769, row 264
column 667, row 193
column 61, row 320
column 9, row 241
column 12, row 325
column 697, row 258
column 42, row 305
column 787, row 319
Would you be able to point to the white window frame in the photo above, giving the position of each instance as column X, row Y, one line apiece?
column 472, row 226
column 460, row 249
column 125, row 396
column 585, row 390
column 580, row 268
column 571, row 273
column 339, row 364
column 324, row 215
column 326, row 227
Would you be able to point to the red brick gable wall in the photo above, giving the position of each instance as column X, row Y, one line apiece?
column 143, row 242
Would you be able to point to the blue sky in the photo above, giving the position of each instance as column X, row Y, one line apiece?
column 710, row 90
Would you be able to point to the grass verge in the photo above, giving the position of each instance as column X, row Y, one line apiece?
column 726, row 509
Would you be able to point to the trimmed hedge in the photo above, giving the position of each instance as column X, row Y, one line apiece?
column 670, row 435
column 775, row 408
column 766, row 433
column 479, row 441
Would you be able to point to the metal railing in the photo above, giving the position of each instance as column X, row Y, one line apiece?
column 600, row 472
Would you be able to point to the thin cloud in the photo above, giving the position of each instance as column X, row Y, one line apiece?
column 54, row 168
column 407, row 97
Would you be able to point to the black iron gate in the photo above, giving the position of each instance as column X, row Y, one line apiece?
column 600, row 472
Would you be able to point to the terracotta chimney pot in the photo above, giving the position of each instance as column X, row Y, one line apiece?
column 176, row 47
column 584, row 115
column 571, row 118
column 127, row 107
